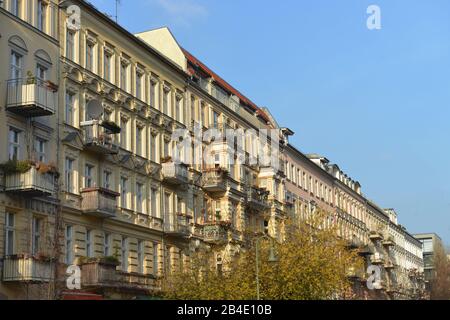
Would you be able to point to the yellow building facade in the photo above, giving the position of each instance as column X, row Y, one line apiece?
column 94, row 174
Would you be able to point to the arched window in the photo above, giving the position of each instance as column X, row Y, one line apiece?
column 18, row 51
column 43, row 64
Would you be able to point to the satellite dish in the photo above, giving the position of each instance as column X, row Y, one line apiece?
column 94, row 109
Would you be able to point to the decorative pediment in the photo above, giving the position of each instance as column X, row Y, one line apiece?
column 73, row 139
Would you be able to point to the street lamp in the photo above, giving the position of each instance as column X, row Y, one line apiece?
column 272, row 259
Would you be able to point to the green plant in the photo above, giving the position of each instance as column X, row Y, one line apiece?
column 31, row 79
column 111, row 126
column 110, row 260
column 15, row 166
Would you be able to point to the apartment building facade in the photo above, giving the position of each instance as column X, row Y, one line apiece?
column 29, row 44
column 312, row 183
column 91, row 111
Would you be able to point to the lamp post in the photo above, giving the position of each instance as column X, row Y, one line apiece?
column 272, row 258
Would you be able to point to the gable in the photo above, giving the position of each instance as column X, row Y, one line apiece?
column 163, row 41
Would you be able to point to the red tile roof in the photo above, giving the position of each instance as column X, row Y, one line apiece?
column 225, row 85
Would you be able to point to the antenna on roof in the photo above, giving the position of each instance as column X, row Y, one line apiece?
column 117, row 10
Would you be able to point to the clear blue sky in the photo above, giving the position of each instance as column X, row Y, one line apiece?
column 377, row 103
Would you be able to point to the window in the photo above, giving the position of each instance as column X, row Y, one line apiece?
column 88, row 176
column 41, row 72
column 123, row 133
column 123, row 192
column 195, row 209
column 427, row 245
column 139, row 78
column 16, row 65
column 69, row 175
column 152, row 148
column 89, row 56
column 166, row 101
column 107, row 245
column 124, row 254
column 14, row 144
column 203, row 115
column 167, row 262
column 141, row 256
column 124, row 76
column 153, row 93
column 41, row 15
column 178, row 110
column 89, row 243
column 70, row 110
column 107, row 179
column 139, row 197
column 10, row 234
column 107, row 66
column 139, row 131
column 215, row 119
column 155, row 259
column 70, row 45
column 69, row 235
column 36, row 235
column 16, row 7
column 154, row 201
column 40, row 146
column 193, row 108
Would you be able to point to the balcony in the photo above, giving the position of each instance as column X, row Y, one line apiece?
column 388, row 265
column 354, row 243
column 375, row 235
column 377, row 258
column 257, row 198
column 104, row 274
column 389, row 241
column 355, row 273
column 21, row 268
column 175, row 173
column 215, row 180
column 32, row 183
column 31, row 97
column 215, row 233
column 366, row 250
column 98, row 136
column 99, row 202
column 176, row 225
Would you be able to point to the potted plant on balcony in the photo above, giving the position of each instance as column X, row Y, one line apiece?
column 110, row 260
column 44, row 168
column 110, row 126
column 31, row 79
column 15, row 166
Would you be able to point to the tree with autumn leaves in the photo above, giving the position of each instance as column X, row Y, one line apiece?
column 440, row 283
column 312, row 264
